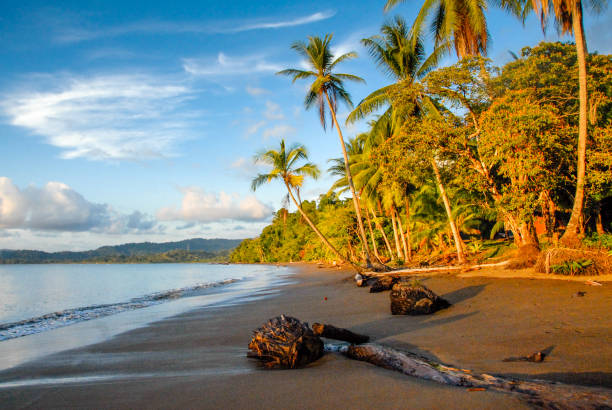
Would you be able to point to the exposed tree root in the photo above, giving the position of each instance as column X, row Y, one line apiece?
column 544, row 394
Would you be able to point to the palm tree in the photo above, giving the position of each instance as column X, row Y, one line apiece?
column 401, row 55
column 283, row 164
column 328, row 88
column 568, row 15
column 463, row 21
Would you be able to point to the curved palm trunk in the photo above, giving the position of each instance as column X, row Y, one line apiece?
column 570, row 236
column 456, row 236
column 397, row 243
column 401, row 231
column 408, row 233
column 349, row 177
column 374, row 247
column 384, row 235
column 316, row 230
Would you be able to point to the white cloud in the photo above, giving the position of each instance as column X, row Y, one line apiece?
column 200, row 206
column 273, row 111
column 255, row 91
column 78, row 34
column 57, row 207
column 224, row 65
column 279, row 131
column 104, row 117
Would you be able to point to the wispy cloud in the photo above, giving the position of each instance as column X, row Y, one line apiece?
column 253, row 128
column 255, row 91
column 198, row 205
column 79, row 34
column 224, row 65
column 279, row 131
column 273, row 111
column 104, row 117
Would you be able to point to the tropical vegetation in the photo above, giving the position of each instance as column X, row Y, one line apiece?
column 459, row 162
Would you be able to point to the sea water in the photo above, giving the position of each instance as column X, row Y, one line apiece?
column 48, row 308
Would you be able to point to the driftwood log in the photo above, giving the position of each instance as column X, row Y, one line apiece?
column 412, row 271
column 285, row 342
column 415, row 299
column 539, row 393
column 332, row 332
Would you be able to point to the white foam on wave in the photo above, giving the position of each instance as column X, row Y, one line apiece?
column 81, row 314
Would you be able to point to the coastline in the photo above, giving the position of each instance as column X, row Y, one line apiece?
column 197, row 359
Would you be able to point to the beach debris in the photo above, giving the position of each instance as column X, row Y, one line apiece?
column 285, row 342
column 359, row 280
column 415, row 299
column 579, row 294
column 537, row 357
column 592, row 283
column 333, row 332
column 541, row 394
column 383, row 283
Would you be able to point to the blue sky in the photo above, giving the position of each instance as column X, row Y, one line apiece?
column 138, row 120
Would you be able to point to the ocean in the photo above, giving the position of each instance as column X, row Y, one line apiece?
column 47, row 308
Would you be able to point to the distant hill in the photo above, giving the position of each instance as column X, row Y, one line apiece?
column 190, row 250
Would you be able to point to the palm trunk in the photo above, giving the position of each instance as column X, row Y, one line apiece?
column 397, row 244
column 408, row 233
column 456, row 236
column 374, row 247
column 316, row 230
column 570, row 236
column 401, row 230
column 384, row 235
column 349, row 177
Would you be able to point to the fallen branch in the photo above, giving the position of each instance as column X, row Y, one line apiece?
column 539, row 393
column 404, row 272
column 333, row 332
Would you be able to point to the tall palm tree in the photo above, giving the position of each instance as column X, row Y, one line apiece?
column 568, row 16
column 401, row 55
column 328, row 89
column 283, row 162
column 462, row 21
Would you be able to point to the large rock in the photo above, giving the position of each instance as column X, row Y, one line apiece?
column 415, row 299
column 285, row 342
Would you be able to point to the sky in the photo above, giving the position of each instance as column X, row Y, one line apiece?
column 132, row 121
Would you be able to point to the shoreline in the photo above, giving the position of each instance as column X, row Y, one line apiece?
column 197, row 359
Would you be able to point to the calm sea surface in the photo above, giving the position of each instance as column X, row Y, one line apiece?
column 37, row 298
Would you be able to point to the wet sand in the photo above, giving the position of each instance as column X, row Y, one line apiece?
column 197, row 359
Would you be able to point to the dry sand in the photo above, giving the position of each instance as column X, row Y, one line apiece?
column 197, row 359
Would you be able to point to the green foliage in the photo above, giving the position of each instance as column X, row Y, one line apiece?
column 595, row 239
column 572, row 267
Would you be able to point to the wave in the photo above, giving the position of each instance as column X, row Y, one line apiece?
column 81, row 314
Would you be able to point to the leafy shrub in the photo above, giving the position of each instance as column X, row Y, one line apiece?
column 572, row 267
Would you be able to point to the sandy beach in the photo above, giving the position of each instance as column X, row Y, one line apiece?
column 197, row 359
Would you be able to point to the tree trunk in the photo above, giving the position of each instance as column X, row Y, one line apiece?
column 349, row 177
column 570, row 236
column 397, row 243
column 598, row 221
column 372, row 236
column 456, row 236
column 384, row 235
column 528, row 235
column 316, row 230
column 408, row 234
column 401, row 230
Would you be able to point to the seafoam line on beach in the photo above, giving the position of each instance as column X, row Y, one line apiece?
column 75, row 315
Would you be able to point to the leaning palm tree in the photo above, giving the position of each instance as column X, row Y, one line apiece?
column 568, row 16
column 327, row 90
column 283, row 164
